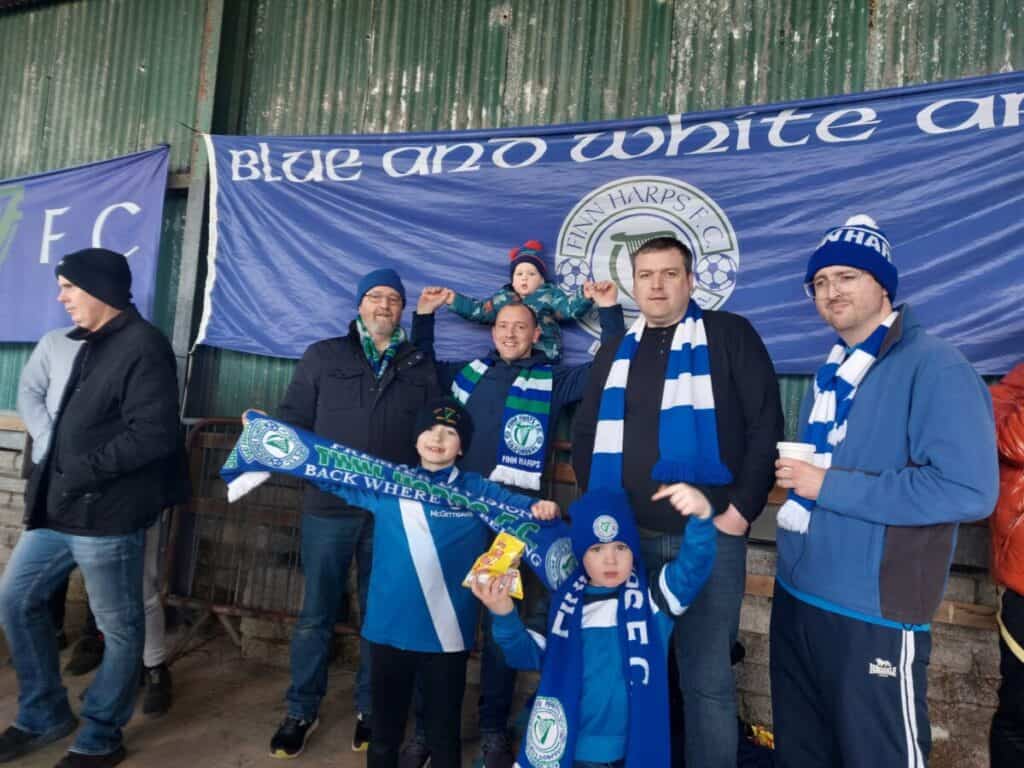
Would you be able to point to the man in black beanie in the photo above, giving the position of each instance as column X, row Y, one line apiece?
column 110, row 469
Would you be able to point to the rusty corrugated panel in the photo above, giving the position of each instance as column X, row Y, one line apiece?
column 344, row 66
column 928, row 41
column 90, row 80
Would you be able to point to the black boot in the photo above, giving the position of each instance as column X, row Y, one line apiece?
column 157, row 698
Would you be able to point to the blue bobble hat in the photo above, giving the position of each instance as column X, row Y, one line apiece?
column 858, row 243
column 602, row 516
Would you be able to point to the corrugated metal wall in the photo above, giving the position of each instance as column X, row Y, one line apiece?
column 400, row 65
column 89, row 80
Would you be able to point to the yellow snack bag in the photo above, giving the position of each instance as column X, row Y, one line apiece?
column 502, row 557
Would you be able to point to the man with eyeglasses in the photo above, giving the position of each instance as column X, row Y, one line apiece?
column 362, row 390
column 904, row 445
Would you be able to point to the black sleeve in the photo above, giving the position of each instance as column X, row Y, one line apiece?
column 423, row 333
column 149, row 411
column 758, row 392
column 423, row 339
column 298, row 407
column 584, row 424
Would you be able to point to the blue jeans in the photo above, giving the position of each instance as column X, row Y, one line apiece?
column 703, row 640
column 328, row 545
column 112, row 569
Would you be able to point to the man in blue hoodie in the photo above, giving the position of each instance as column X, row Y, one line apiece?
column 904, row 445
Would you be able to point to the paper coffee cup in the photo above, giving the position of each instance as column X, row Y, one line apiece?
column 798, row 451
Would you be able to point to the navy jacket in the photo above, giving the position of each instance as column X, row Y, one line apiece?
column 335, row 393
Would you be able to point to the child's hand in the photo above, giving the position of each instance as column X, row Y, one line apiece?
column 245, row 415
column 604, row 293
column 686, row 499
column 493, row 592
column 546, row 510
column 431, row 298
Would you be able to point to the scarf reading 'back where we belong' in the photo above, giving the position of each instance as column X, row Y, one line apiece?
column 835, row 386
column 269, row 446
column 524, row 432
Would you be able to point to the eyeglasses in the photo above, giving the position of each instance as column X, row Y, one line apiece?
column 384, row 298
column 843, row 283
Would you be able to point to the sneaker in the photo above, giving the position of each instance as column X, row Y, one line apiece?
column 15, row 742
column 361, row 736
column 415, row 753
column 76, row 760
column 85, row 656
column 157, row 698
column 496, row 749
column 291, row 737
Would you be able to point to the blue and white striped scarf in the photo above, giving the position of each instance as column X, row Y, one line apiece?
column 835, row 386
column 523, row 443
column 687, row 430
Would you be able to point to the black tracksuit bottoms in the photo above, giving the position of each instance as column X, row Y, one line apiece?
column 1007, row 737
column 393, row 674
column 846, row 692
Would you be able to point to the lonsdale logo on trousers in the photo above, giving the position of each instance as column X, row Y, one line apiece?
column 611, row 222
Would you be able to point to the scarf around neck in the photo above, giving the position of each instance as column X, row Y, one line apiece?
column 524, row 431
column 835, row 386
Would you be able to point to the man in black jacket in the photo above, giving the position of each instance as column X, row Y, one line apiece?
column 362, row 390
column 89, row 503
column 748, row 418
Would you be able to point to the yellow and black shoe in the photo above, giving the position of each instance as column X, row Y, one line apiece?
column 361, row 735
column 291, row 737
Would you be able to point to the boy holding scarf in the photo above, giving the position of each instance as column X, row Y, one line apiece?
column 904, row 451
column 515, row 396
column 603, row 694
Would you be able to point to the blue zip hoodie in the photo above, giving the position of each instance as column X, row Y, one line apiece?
column 421, row 554
column 919, row 458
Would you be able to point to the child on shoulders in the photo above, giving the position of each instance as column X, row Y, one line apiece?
column 529, row 284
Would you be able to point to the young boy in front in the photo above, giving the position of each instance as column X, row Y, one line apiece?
column 603, row 694
column 420, row 620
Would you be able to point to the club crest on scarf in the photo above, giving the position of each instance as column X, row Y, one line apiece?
column 273, row 444
column 546, row 733
column 524, row 434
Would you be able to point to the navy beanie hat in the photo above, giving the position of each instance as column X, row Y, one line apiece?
column 449, row 412
column 387, row 277
column 858, row 243
column 527, row 253
column 601, row 516
column 101, row 273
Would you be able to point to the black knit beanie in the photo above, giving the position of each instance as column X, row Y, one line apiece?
column 101, row 273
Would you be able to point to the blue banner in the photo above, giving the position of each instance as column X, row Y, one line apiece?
column 115, row 204
column 295, row 221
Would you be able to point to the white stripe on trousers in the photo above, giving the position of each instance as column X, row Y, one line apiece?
column 907, row 700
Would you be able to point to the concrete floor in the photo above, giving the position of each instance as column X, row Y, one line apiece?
column 225, row 711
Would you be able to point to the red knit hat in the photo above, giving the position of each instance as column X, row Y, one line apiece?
column 529, row 252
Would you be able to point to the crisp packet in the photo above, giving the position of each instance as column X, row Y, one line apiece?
column 502, row 557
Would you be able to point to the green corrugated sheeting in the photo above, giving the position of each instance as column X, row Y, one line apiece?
column 94, row 79
column 364, row 66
